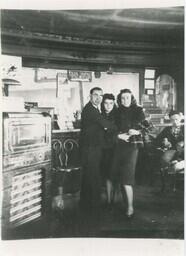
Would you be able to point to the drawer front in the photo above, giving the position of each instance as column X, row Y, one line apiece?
column 23, row 200
column 8, row 176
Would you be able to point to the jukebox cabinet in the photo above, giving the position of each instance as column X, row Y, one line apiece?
column 26, row 172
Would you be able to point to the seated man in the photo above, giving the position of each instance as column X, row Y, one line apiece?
column 171, row 143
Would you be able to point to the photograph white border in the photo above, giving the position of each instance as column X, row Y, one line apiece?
column 91, row 246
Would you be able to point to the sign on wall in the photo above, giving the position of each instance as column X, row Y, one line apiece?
column 84, row 76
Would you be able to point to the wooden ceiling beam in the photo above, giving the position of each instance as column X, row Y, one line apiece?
column 59, row 41
column 94, row 58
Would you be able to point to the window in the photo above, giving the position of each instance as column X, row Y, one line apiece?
column 149, row 82
column 148, row 97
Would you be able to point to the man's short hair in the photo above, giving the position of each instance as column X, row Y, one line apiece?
column 95, row 89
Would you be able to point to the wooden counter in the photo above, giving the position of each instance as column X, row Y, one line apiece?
column 65, row 131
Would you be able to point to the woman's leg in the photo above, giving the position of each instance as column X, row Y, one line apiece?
column 109, row 191
column 129, row 195
column 128, row 179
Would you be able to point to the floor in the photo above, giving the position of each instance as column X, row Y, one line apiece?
column 157, row 215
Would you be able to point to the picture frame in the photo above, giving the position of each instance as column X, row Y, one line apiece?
column 42, row 75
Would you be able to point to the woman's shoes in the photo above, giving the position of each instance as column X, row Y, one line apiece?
column 109, row 206
column 130, row 216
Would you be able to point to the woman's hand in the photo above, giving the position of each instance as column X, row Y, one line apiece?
column 133, row 132
column 124, row 136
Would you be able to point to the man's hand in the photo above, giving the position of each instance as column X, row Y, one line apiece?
column 58, row 202
column 174, row 162
column 180, row 165
column 166, row 143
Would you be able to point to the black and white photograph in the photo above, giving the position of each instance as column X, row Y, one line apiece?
column 93, row 124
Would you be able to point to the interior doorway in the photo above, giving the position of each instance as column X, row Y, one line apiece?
column 113, row 83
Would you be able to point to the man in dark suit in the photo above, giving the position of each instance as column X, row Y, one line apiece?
column 93, row 125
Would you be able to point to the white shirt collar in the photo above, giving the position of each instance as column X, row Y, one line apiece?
column 97, row 107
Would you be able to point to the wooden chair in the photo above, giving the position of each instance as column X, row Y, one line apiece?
column 67, row 172
column 169, row 172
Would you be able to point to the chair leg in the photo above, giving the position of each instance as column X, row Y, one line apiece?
column 174, row 182
column 163, row 179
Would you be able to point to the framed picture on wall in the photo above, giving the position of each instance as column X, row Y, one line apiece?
column 43, row 75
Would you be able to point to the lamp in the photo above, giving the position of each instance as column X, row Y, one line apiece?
column 9, row 81
column 97, row 74
column 11, row 71
column 6, row 82
column 110, row 70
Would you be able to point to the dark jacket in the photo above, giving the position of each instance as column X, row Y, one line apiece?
column 110, row 135
column 167, row 133
column 131, row 118
column 93, row 125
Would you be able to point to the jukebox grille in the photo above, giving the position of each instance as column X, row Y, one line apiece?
column 26, row 197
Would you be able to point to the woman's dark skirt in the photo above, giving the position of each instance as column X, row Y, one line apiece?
column 106, row 163
column 124, row 163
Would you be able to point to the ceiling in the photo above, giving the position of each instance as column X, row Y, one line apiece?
column 137, row 37
column 142, row 25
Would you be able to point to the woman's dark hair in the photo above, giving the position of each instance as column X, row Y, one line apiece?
column 133, row 100
column 107, row 96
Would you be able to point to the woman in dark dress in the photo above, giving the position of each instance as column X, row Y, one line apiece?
column 130, row 117
column 108, row 109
